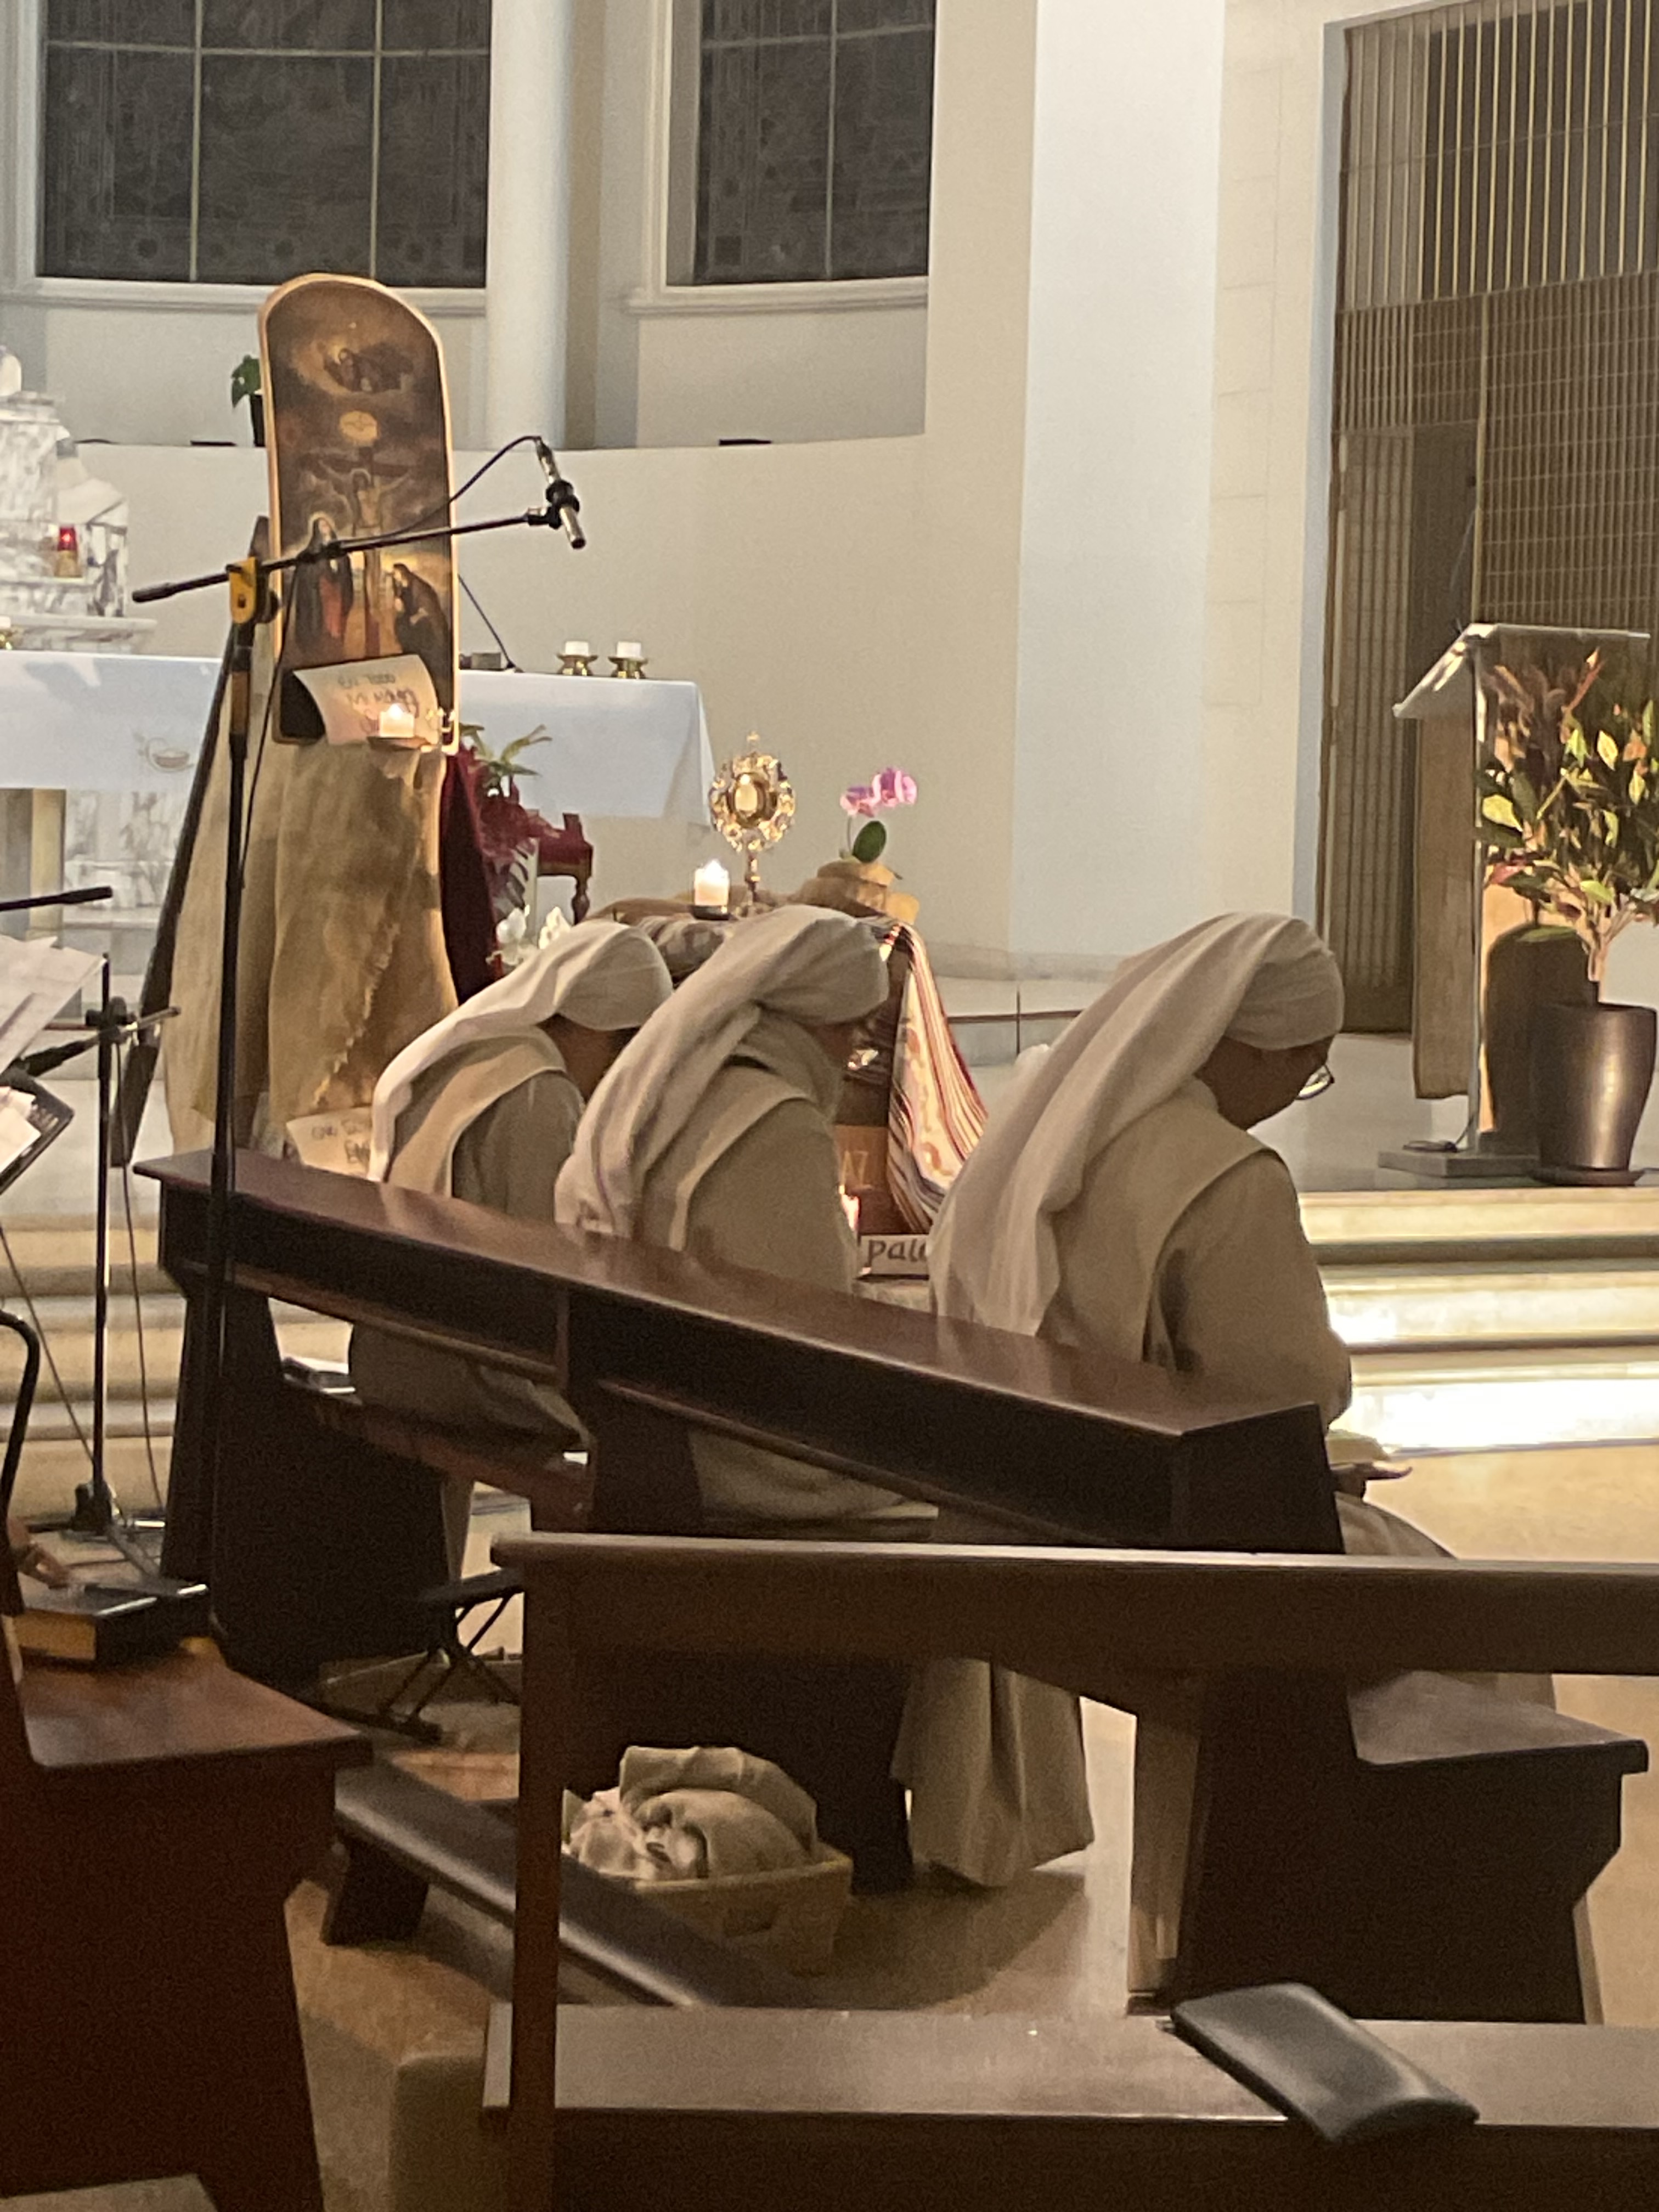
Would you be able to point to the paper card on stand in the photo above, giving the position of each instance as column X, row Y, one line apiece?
column 339, row 1142
column 390, row 702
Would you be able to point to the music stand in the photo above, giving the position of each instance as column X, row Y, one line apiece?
column 111, row 1025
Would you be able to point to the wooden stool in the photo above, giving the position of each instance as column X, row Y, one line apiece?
column 153, row 1821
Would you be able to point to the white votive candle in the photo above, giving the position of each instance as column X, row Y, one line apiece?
column 397, row 723
column 711, row 888
column 628, row 648
column 578, row 648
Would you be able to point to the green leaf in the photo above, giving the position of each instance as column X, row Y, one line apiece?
column 245, row 379
column 870, row 842
column 1497, row 808
column 1525, row 798
column 1608, row 749
column 1573, row 745
column 1597, row 891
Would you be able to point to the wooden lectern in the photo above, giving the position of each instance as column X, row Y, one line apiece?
column 1457, row 917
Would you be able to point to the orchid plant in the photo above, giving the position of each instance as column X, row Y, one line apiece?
column 888, row 787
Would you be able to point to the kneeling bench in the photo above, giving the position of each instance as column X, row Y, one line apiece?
column 401, row 1835
column 890, row 2111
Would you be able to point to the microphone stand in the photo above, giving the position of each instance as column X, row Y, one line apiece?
column 252, row 605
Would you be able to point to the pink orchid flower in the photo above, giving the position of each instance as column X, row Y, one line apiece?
column 888, row 787
column 893, row 787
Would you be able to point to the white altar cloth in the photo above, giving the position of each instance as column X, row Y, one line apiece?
column 113, row 721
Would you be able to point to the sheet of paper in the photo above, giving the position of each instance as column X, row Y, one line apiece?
column 389, row 702
column 37, row 982
column 17, row 1132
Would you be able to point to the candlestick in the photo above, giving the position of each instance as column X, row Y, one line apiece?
column 711, row 890
column 628, row 659
column 577, row 658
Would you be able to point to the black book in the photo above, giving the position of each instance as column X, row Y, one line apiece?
column 93, row 1625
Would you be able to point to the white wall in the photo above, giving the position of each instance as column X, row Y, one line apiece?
column 1268, row 524
column 159, row 375
column 1111, row 803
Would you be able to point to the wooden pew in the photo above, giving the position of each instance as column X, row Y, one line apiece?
column 1425, row 1847
column 324, row 1537
column 823, row 2111
column 153, row 1821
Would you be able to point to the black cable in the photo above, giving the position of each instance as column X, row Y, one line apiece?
column 138, row 1309
column 525, row 438
column 46, row 1343
column 276, row 675
column 478, row 604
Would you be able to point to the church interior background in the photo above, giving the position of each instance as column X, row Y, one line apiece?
column 1107, row 413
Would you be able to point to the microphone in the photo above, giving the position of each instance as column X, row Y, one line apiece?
column 563, row 505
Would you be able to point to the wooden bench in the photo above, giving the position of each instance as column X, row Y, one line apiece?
column 889, row 2112
column 824, row 2111
column 153, row 1821
column 1431, row 1844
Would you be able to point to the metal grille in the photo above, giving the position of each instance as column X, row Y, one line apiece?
column 1496, row 430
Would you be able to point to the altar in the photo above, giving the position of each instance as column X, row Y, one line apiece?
column 119, row 733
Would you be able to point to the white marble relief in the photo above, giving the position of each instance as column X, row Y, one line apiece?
column 126, row 839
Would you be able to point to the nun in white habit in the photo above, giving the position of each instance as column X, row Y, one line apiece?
column 714, row 1134
column 484, row 1106
column 1118, row 1204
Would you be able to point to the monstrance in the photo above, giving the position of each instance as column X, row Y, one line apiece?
column 751, row 803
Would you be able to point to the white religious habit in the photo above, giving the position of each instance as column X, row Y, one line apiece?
column 714, row 1135
column 1111, row 1207
column 481, row 1107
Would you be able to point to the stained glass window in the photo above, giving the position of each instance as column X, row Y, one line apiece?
column 814, row 140
column 246, row 141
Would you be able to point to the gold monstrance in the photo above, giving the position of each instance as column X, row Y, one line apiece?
column 751, row 803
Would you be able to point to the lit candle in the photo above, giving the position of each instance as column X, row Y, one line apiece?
column 397, row 723
column 711, row 889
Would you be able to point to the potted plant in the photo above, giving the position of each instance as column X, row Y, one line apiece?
column 857, row 882
column 247, row 383
column 1569, row 818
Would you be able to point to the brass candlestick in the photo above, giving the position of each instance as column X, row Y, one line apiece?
column 751, row 803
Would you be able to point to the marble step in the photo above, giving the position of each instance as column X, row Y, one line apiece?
column 1485, row 1400
column 1450, row 1307
column 1536, row 1225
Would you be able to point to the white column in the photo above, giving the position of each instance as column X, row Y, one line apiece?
column 1108, row 799
column 527, row 282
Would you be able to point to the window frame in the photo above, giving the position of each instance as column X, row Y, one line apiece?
column 669, row 243
column 21, row 284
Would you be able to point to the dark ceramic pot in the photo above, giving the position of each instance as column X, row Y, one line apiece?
column 1527, row 970
column 1591, row 1072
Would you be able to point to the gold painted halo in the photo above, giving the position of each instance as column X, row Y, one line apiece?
column 752, row 802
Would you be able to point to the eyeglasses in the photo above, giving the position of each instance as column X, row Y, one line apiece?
column 1317, row 1084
